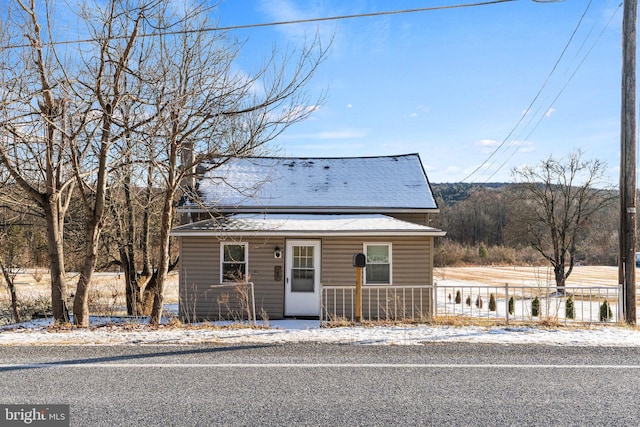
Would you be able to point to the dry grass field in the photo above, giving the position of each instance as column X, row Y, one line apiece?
column 519, row 275
column 106, row 296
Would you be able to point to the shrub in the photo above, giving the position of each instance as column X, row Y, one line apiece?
column 512, row 305
column 479, row 302
column 468, row 301
column 569, row 308
column 492, row 302
column 605, row 311
column 535, row 307
column 483, row 252
column 458, row 297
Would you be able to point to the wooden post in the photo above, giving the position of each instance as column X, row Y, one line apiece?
column 627, row 232
column 359, row 262
column 358, row 294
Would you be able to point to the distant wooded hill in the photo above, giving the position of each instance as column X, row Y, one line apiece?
column 454, row 192
column 482, row 225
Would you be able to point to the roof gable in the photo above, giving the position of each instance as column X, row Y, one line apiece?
column 386, row 183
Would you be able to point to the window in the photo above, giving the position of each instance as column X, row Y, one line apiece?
column 378, row 269
column 233, row 262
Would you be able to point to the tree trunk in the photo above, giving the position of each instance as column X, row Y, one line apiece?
column 55, row 248
column 132, row 289
column 163, row 260
column 95, row 215
column 12, row 290
column 558, row 270
column 146, row 259
column 149, row 293
column 127, row 252
column 81, row 299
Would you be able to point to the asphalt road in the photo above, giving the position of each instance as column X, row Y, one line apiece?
column 311, row 384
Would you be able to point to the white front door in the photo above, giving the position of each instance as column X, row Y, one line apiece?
column 302, row 278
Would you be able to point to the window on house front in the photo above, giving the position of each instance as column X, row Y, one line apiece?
column 234, row 262
column 378, row 269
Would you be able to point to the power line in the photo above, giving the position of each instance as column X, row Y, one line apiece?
column 535, row 98
column 584, row 58
column 278, row 23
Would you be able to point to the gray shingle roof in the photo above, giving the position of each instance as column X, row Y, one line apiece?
column 384, row 184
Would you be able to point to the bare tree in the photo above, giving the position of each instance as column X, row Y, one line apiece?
column 67, row 121
column 208, row 109
column 35, row 130
column 557, row 200
column 115, row 30
column 64, row 146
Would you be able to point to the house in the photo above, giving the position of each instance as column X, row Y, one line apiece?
column 291, row 226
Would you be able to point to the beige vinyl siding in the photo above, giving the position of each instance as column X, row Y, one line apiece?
column 415, row 218
column 200, row 272
column 411, row 259
column 269, row 293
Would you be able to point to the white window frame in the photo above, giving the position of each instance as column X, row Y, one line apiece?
column 365, row 245
column 246, row 260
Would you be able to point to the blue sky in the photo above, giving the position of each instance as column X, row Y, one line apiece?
column 451, row 85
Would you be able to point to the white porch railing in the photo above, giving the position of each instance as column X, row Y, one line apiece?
column 378, row 302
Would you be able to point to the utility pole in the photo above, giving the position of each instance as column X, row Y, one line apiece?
column 627, row 233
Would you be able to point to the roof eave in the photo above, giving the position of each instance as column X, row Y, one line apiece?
column 306, row 209
column 298, row 233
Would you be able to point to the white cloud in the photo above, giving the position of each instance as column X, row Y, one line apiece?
column 524, row 146
column 549, row 112
column 487, row 143
column 419, row 109
column 349, row 105
column 287, row 10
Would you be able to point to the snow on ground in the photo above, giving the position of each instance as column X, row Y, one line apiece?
column 118, row 330
column 111, row 331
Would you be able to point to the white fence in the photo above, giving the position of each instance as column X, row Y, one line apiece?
column 570, row 304
column 582, row 304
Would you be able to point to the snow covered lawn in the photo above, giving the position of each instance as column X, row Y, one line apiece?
column 108, row 331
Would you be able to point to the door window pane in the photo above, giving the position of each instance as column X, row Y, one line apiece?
column 303, row 271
